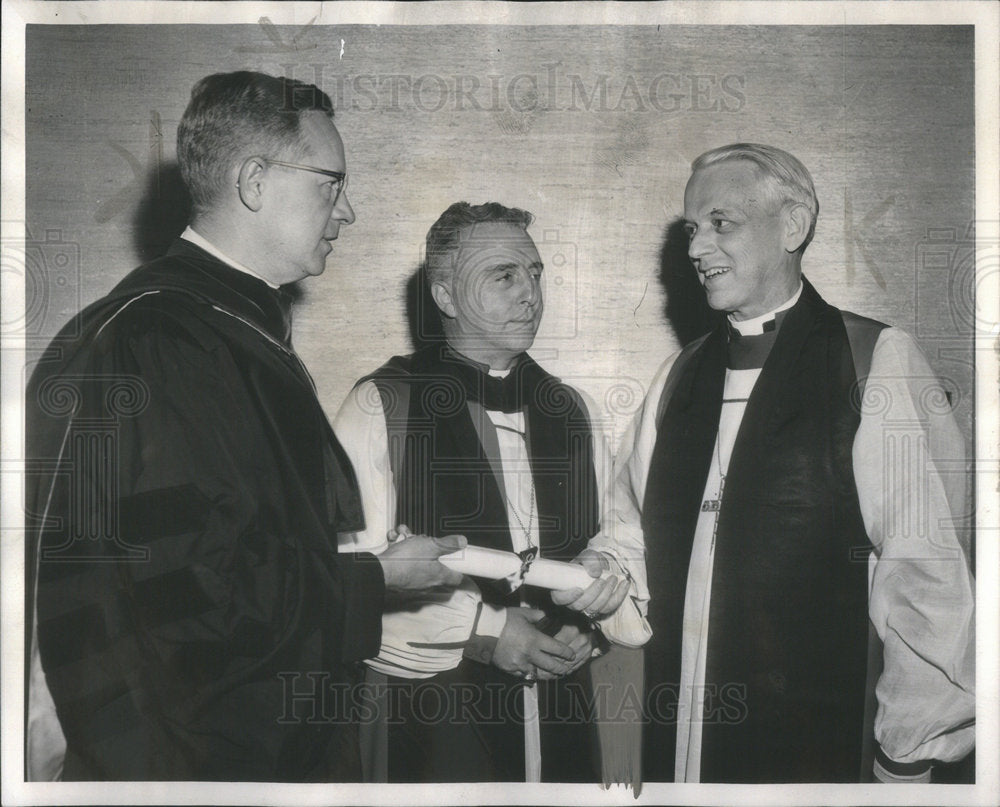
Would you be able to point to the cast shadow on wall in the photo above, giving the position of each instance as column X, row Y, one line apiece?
column 164, row 209
column 687, row 311
column 422, row 315
column 162, row 213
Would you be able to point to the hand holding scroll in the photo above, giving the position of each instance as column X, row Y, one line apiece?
column 414, row 564
column 603, row 596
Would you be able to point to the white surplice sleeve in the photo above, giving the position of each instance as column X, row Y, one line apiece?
column 911, row 474
column 621, row 534
column 444, row 618
column 360, row 428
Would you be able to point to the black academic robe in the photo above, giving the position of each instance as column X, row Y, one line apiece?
column 195, row 621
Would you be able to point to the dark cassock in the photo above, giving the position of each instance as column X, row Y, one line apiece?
column 194, row 619
column 444, row 445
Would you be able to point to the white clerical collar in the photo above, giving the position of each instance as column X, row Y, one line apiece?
column 499, row 373
column 215, row 252
column 751, row 327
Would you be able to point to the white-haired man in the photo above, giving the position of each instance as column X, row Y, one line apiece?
column 782, row 515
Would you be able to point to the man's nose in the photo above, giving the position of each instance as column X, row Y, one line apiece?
column 342, row 210
column 532, row 287
column 700, row 244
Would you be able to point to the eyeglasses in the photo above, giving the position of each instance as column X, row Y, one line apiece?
column 339, row 176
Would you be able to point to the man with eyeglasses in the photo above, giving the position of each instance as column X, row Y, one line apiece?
column 191, row 618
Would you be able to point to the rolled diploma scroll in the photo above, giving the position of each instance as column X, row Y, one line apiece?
column 494, row 564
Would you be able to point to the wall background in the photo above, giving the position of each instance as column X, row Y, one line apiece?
column 591, row 128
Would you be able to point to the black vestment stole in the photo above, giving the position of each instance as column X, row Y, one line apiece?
column 446, row 483
column 786, row 664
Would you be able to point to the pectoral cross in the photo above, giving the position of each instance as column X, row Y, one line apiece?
column 714, row 506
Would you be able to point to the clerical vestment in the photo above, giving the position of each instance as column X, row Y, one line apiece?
column 440, row 425
column 758, row 663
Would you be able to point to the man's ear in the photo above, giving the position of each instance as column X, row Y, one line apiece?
column 442, row 299
column 796, row 223
column 250, row 184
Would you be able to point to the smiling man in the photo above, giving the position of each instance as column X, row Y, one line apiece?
column 187, row 489
column 474, row 436
column 810, row 600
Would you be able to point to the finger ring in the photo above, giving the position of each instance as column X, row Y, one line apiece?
column 589, row 614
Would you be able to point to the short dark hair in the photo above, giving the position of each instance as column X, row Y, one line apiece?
column 444, row 238
column 786, row 179
column 232, row 116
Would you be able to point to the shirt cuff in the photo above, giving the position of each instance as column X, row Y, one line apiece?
column 616, row 567
column 613, row 563
column 889, row 771
column 491, row 621
column 486, row 631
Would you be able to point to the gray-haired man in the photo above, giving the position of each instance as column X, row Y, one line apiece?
column 781, row 518
column 473, row 435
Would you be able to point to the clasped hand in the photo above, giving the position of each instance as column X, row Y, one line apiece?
column 525, row 651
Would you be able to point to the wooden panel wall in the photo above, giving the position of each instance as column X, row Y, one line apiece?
column 591, row 128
